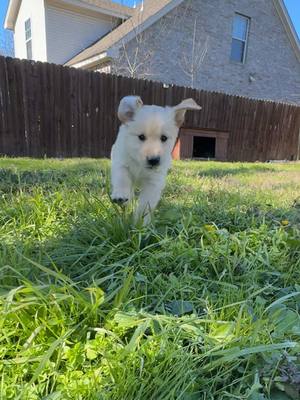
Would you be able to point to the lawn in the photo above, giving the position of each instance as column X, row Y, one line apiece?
column 203, row 304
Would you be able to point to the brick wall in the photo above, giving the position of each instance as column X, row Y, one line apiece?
column 270, row 60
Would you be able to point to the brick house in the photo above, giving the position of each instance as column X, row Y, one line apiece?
column 242, row 47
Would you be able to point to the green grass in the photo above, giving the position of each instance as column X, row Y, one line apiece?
column 203, row 304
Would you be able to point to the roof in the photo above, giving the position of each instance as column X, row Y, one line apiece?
column 152, row 11
column 104, row 6
column 143, row 17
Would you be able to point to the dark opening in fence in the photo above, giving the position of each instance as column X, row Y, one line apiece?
column 55, row 111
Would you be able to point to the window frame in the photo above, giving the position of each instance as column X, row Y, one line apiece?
column 244, row 41
column 28, row 38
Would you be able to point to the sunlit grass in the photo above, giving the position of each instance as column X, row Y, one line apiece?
column 203, row 304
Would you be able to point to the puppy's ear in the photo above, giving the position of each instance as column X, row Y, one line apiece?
column 128, row 107
column 180, row 110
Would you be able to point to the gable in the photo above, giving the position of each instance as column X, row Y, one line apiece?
column 105, row 7
column 63, row 41
column 288, row 25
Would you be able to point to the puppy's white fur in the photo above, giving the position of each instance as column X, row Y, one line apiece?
column 131, row 152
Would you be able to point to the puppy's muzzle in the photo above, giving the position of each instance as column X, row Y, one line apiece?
column 153, row 161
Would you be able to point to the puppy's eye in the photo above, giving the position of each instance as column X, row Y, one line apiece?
column 163, row 138
column 142, row 137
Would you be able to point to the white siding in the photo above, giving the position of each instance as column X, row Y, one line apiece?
column 33, row 9
column 69, row 32
column 106, row 69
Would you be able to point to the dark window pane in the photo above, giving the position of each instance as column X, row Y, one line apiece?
column 29, row 50
column 27, row 24
column 28, row 35
column 240, row 26
column 237, row 50
column 28, row 29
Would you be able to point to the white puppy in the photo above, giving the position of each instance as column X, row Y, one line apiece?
column 142, row 153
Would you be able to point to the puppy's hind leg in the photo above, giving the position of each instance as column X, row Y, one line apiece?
column 121, row 184
column 148, row 200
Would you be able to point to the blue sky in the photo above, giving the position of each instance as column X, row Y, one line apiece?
column 292, row 5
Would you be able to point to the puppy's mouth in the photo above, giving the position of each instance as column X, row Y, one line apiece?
column 152, row 166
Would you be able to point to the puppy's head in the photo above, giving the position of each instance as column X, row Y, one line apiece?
column 151, row 131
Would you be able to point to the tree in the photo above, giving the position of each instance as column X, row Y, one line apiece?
column 137, row 57
column 193, row 58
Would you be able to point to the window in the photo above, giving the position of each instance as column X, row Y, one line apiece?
column 239, row 38
column 28, row 39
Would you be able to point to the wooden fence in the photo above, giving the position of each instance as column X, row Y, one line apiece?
column 54, row 111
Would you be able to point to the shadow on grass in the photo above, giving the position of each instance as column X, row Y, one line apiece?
column 12, row 180
column 103, row 245
column 229, row 171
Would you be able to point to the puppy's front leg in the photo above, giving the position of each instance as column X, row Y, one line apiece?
column 148, row 200
column 121, row 184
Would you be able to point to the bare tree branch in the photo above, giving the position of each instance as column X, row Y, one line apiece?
column 193, row 59
column 136, row 58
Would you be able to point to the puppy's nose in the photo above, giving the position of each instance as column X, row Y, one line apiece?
column 153, row 161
